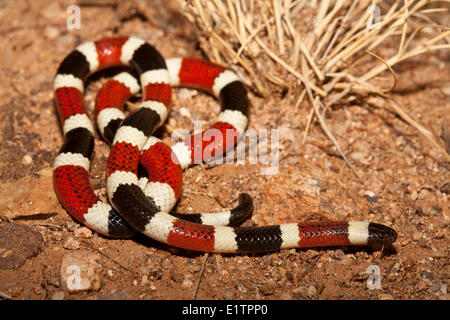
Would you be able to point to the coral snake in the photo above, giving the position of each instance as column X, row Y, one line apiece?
column 144, row 175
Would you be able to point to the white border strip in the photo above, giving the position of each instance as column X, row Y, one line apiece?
column 183, row 154
column 79, row 120
column 97, row 217
column 174, row 66
column 155, row 76
column 223, row 79
column 159, row 226
column 158, row 107
column 120, row 178
column 358, row 232
column 150, row 142
column 128, row 49
column 68, row 80
column 89, row 50
column 128, row 81
column 71, row 159
column 290, row 235
column 234, row 117
column 162, row 194
column 105, row 116
column 225, row 240
column 130, row 135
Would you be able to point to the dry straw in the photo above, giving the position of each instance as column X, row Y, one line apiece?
column 315, row 49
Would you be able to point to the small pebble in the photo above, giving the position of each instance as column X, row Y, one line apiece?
column 339, row 254
column 144, row 270
column 372, row 199
column 121, row 295
column 228, row 294
column 423, row 285
column 58, row 295
column 396, row 267
column 377, row 255
column 312, row 291
column 304, row 292
column 435, row 286
column 443, row 288
column 313, row 253
column 27, row 160
column 71, row 244
column 83, row 232
column 428, row 275
column 446, row 89
column 187, row 284
column 177, row 277
column 446, row 188
column 167, row 264
column 144, row 280
column 268, row 289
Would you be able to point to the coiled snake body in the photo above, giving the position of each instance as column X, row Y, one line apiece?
column 144, row 203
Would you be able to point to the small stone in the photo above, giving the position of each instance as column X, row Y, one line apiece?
column 435, row 286
column 118, row 295
column 228, row 294
column 51, row 32
column 80, row 271
column 446, row 88
column 242, row 288
column 18, row 242
column 304, row 292
column 443, row 288
column 446, row 188
column 37, row 290
column 29, row 196
column 83, row 232
column 428, row 276
column 27, row 160
column 167, row 264
column 268, row 289
column 377, row 255
column 185, row 112
column 135, row 282
column 313, row 253
column 339, row 254
column 423, row 285
column 71, row 244
column 371, row 199
column 58, row 295
column 144, row 270
column 110, row 272
column 311, row 292
column 186, row 284
column 438, row 251
column 289, row 276
column 177, row 277
column 144, row 280
column 357, row 155
column 385, row 296
column 155, row 273
column 396, row 267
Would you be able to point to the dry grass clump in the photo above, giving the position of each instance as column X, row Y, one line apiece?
column 320, row 50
